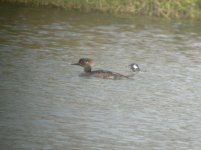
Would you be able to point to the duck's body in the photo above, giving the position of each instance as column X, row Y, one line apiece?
column 86, row 63
column 105, row 74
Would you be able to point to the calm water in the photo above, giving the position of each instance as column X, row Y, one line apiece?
column 45, row 104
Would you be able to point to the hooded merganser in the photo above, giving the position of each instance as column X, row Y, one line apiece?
column 87, row 63
column 134, row 67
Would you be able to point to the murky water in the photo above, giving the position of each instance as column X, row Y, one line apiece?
column 45, row 104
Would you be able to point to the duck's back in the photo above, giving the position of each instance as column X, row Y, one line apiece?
column 107, row 74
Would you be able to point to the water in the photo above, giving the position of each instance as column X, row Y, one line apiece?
column 45, row 104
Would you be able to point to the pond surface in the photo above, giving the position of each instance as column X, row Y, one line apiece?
column 45, row 104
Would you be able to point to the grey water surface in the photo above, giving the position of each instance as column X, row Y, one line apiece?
column 45, row 104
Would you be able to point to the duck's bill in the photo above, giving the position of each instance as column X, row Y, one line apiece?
column 75, row 64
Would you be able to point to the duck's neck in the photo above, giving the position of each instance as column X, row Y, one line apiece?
column 87, row 68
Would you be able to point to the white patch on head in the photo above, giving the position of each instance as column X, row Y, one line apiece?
column 135, row 66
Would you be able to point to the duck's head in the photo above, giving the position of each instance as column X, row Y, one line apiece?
column 85, row 62
column 134, row 67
